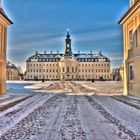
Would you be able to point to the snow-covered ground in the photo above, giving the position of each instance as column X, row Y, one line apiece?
column 68, row 111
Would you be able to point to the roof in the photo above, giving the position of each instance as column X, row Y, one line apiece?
column 5, row 16
column 11, row 66
column 83, row 57
column 129, row 11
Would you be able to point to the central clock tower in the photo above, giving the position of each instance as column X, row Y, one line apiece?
column 68, row 50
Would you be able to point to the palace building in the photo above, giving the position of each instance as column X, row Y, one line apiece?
column 67, row 65
column 4, row 22
column 131, row 32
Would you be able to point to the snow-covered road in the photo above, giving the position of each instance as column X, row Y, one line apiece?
column 68, row 116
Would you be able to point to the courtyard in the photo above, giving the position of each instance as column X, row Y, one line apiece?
column 77, row 110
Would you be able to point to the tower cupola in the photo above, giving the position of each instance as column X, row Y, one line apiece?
column 68, row 50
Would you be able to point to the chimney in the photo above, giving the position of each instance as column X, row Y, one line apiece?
column 45, row 52
column 57, row 52
column 51, row 52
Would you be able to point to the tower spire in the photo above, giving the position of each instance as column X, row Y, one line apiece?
column 68, row 33
column 68, row 50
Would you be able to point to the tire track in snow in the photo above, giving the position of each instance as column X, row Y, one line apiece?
column 112, row 120
column 71, row 128
column 33, row 124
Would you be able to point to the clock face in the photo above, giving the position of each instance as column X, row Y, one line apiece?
column 68, row 50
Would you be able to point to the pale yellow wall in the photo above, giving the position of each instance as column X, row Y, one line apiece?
column 131, row 55
column 91, row 70
column 73, row 69
column 3, row 39
column 12, row 74
column 46, row 70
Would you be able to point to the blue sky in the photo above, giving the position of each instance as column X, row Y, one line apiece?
column 40, row 25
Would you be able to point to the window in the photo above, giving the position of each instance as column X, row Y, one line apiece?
column 68, row 69
column 72, row 69
column 131, row 72
column 138, row 37
column 131, row 39
column 63, row 69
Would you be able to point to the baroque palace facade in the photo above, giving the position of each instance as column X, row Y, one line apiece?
column 131, row 31
column 4, row 22
column 67, row 66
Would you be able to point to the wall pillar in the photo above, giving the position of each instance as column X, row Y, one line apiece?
column 3, row 77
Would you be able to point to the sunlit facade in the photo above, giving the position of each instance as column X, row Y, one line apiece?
column 131, row 31
column 68, row 66
column 4, row 22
